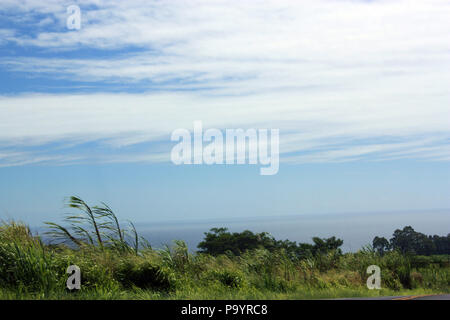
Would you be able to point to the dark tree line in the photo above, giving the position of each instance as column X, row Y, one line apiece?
column 409, row 241
column 220, row 241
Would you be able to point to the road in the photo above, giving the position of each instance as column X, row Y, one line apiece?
column 426, row 297
column 417, row 297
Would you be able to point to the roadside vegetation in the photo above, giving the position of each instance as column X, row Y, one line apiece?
column 116, row 263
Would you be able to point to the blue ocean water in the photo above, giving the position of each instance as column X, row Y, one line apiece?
column 356, row 229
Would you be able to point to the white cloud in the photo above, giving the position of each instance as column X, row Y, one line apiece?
column 342, row 79
column 255, row 45
column 323, row 128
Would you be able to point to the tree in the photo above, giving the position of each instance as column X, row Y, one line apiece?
column 412, row 242
column 219, row 241
column 381, row 245
column 408, row 241
column 326, row 244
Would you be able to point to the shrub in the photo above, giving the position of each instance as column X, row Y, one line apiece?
column 232, row 279
column 29, row 266
column 416, row 279
column 96, row 266
column 144, row 275
column 404, row 275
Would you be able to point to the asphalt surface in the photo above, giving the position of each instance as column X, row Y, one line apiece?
column 417, row 297
column 427, row 297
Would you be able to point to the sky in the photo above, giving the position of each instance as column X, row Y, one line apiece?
column 359, row 91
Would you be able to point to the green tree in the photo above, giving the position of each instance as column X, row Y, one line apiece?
column 381, row 245
column 220, row 240
column 412, row 242
column 326, row 245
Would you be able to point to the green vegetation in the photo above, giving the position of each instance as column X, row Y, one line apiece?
column 408, row 241
column 116, row 263
column 220, row 241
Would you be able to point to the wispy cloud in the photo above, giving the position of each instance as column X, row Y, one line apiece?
column 342, row 80
column 327, row 130
column 251, row 46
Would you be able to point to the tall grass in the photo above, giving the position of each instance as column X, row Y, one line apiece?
column 95, row 226
column 116, row 263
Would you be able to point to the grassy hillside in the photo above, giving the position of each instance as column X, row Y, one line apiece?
column 116, row 263
column 33, row 270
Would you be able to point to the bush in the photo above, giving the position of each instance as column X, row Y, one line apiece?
column 96, row 266
column 228, row 278
column 390, row 280
column 144, row 275
column 30, row 267
column 404, row 275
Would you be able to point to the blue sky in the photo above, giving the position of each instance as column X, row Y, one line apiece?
column 358, row 89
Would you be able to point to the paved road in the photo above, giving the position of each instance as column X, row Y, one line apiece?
column 427, row 297
column 417, row 297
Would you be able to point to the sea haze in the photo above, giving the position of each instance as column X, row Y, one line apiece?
column 356, row 229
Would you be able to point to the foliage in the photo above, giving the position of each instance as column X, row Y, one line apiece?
column 409, row 241
column 116, row 267
column 381, row 245
column 220, row 241
column 94, row 226
column 144, row 275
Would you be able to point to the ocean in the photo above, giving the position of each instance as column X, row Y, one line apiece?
column 356, row 229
